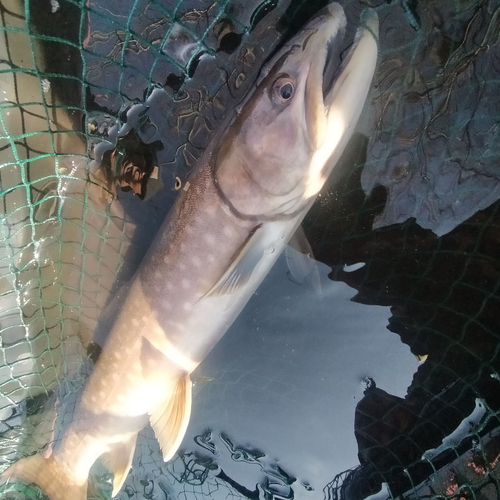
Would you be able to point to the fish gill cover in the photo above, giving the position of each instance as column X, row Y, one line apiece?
column 100, row 98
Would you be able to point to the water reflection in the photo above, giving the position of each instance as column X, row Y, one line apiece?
column 436, row 106
column 443, row 294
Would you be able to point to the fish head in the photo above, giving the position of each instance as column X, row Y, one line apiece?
column 278, row 151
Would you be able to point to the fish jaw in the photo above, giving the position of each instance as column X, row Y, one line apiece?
column 344, row 103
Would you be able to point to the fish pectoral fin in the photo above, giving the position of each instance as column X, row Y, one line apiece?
column 171, row 419
column 119, row 460
column 300, row 261
column 241, row 268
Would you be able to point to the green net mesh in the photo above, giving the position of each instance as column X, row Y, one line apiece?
column 99, row 98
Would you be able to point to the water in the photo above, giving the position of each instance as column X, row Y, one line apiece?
column 288, row 376
column 306, row 384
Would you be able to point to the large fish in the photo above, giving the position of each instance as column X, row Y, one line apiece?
column 242, row 203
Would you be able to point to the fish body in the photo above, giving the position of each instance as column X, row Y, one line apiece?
column 234, row 216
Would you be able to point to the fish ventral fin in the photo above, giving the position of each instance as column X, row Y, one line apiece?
column 171, row 419
column 241, row 268
column 119, row 460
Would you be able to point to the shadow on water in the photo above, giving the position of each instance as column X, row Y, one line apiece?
column 444, row 299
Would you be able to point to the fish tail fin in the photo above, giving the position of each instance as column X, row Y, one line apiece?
column 49, row 475
column 171, row 419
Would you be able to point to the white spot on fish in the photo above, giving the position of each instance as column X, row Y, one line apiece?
column 118, row 355
column 185, row 283
column 115, row 376
column 179, row 326
column 187, row 306
column 210, row 239
column 145, row 319
column 135, row 322
column 196, row 261
column 166, row 259
column 227, row 231
column 182, row 267
column 167, row 306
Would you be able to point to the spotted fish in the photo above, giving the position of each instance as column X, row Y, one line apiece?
column 235, row 214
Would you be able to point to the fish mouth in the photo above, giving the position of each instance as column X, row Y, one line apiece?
column 339, row 58
column 331, row 67
column 321, row 45
column 344, row 61
column 337, row 85
column 332, row 22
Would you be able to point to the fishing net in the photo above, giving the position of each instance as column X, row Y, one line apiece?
column 101, row 98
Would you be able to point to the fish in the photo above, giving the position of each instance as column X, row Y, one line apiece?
column 242, row 203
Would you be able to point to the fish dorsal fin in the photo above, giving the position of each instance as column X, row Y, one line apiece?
column 241, row 268
column 299, row 257
column 119, row 460
column 171, row 418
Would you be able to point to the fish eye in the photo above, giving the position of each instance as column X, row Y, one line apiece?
column 284, row 89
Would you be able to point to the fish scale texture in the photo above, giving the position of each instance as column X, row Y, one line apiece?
column 416, row 200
